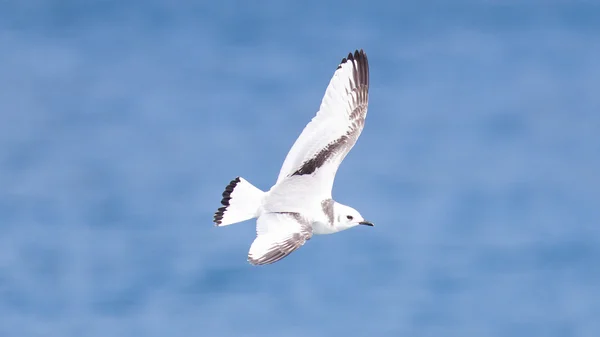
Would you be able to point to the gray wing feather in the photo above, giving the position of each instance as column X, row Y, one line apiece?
column 281, row 249
column 277, row 245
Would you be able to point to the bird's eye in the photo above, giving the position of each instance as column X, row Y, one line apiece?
column 349, row 217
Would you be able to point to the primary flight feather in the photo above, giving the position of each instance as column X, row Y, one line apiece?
column 300, row 203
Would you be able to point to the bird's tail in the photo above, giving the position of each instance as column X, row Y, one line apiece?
column 241, row 201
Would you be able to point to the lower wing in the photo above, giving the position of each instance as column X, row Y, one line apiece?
column 278, row 235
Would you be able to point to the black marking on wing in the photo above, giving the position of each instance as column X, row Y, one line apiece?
column 360, row 75
column 225, row 201
column 311, row 165
column 285, row 248
column 360, row 59
column 280, row 250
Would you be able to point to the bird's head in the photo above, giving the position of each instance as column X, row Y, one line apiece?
column 347, row 217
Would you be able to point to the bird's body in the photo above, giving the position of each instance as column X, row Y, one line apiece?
column 300, row 205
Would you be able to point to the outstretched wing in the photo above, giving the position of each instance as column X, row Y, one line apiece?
column 311, row 165
column 277, row 235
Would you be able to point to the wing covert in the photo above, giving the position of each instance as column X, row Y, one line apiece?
column 331, row 134
column 278, row 235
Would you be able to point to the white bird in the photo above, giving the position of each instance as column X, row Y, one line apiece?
column 300, row 204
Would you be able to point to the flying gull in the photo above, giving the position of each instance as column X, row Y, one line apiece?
column 300, row 204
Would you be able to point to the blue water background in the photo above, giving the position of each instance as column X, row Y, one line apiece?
column 122, row 121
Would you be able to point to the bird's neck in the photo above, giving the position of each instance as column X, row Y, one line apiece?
column 321, row 227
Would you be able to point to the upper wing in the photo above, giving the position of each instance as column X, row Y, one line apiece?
column 313, row 160
column 278, row 234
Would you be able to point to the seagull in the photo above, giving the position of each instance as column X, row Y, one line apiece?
column 300, row 205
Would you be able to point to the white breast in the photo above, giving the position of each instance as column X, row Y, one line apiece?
column 321, row 227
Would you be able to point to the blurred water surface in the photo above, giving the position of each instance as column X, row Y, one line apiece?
column 122, row 121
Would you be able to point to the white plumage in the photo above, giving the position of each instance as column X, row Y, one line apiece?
column 300, row 204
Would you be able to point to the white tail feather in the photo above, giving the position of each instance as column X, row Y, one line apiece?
column 241, row 201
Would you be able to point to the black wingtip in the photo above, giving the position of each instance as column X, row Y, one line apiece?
column 218, row 218
column 358, row 55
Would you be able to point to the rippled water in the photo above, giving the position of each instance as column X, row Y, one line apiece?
column 122, row 122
